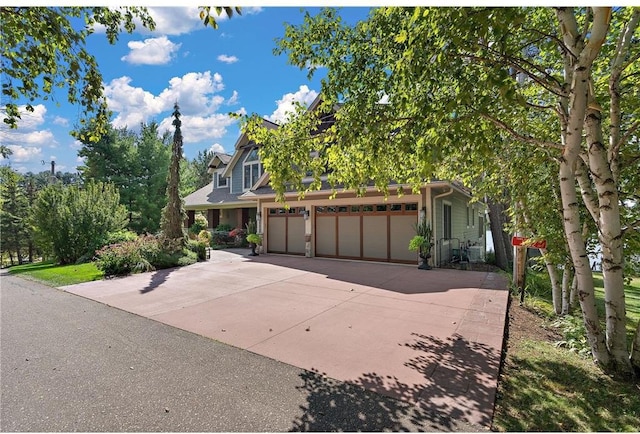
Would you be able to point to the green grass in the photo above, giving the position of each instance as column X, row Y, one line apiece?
column 58, row 275
column 545, row 387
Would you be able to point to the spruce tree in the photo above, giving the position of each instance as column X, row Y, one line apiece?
column 173, row 214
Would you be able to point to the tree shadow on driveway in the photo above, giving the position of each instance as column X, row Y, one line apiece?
column 157, row 278
column 457, row 394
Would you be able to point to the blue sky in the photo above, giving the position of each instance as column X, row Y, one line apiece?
column 209, row 72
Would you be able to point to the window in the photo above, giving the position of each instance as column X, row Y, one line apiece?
column 252, row 169
column 468, row 211
column 480, row 227
column 222, row 182
column 447, row 220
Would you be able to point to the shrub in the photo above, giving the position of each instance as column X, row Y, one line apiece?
column 200, row 223
column 199, row 247
column 146, row 253
column 129, row 257
column 119, row 236
column 224, row 227
column 254, row 238
column 220, row 238
column 72, row 221
column 205, row 236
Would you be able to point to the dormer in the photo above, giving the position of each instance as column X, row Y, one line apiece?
column 216, row 168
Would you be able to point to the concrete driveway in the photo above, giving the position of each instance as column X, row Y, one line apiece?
column 432, row 338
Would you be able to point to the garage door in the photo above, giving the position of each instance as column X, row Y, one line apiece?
column 379, row 232
column 285, row 231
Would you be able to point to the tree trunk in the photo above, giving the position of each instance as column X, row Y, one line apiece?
column 501, row 241
column 610, row 235
column 635, row 350
column 586, row 291
column 567, row 276
column 556, row 286
column 582, row 54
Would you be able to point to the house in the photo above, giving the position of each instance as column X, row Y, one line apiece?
column 232, row 175
column 368, row 227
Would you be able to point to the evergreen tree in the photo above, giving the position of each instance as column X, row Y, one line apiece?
column 71, row 221
column 173, row 214
column 14, row 211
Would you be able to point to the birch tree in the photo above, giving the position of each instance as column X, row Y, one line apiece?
column 418, row 85
column 44, row 49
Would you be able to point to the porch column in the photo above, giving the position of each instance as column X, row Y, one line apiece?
column 308, row 231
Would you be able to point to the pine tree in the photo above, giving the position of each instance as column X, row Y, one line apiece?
column 173, row 214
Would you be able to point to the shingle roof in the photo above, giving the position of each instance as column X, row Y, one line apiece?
column 208, row 196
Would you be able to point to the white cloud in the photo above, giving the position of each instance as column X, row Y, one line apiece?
column 196, row 129
column 227, row 59
column 25, row 154
column 196, row 94
column 253, row 10
column 133, row 104
column 234, row 98
column 77, row 144
column 304, row 95
column 58, row 120
column 28, row 120
column 152, row 51
column 180, row 20
column 217, row 147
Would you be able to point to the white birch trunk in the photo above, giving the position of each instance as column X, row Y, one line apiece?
column 610, row 235
column 567, row 276
column 578, row 99
column 574, row 292
column 556, row 289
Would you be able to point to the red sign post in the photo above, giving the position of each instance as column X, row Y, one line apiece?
column 523, row 241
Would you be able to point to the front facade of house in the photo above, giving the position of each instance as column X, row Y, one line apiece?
column 369, row 227
column 232, row 176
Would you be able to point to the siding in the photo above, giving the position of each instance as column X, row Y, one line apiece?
column 459, row 228
column 236, row 186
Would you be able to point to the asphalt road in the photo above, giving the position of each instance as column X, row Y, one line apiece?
column 72, row 364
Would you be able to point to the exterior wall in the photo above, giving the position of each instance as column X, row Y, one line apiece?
column 462, row 235
column 236, row 176
column 339, row 235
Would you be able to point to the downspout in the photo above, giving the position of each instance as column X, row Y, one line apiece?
column 436, row 255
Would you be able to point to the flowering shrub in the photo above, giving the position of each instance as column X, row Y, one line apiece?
column 146, row 253
column 128, row 257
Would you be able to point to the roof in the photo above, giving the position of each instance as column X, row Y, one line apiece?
column 242, row 141
column 268, row 191
column 218, row 159
column 207, row 196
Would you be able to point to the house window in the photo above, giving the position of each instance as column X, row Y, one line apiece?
column 252, row 169
column 222, row 182
column 468, row 212
column 447, row 220
column 480, row 227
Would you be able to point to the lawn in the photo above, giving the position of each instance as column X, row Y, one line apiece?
column 58, row 275
column 545, row 386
